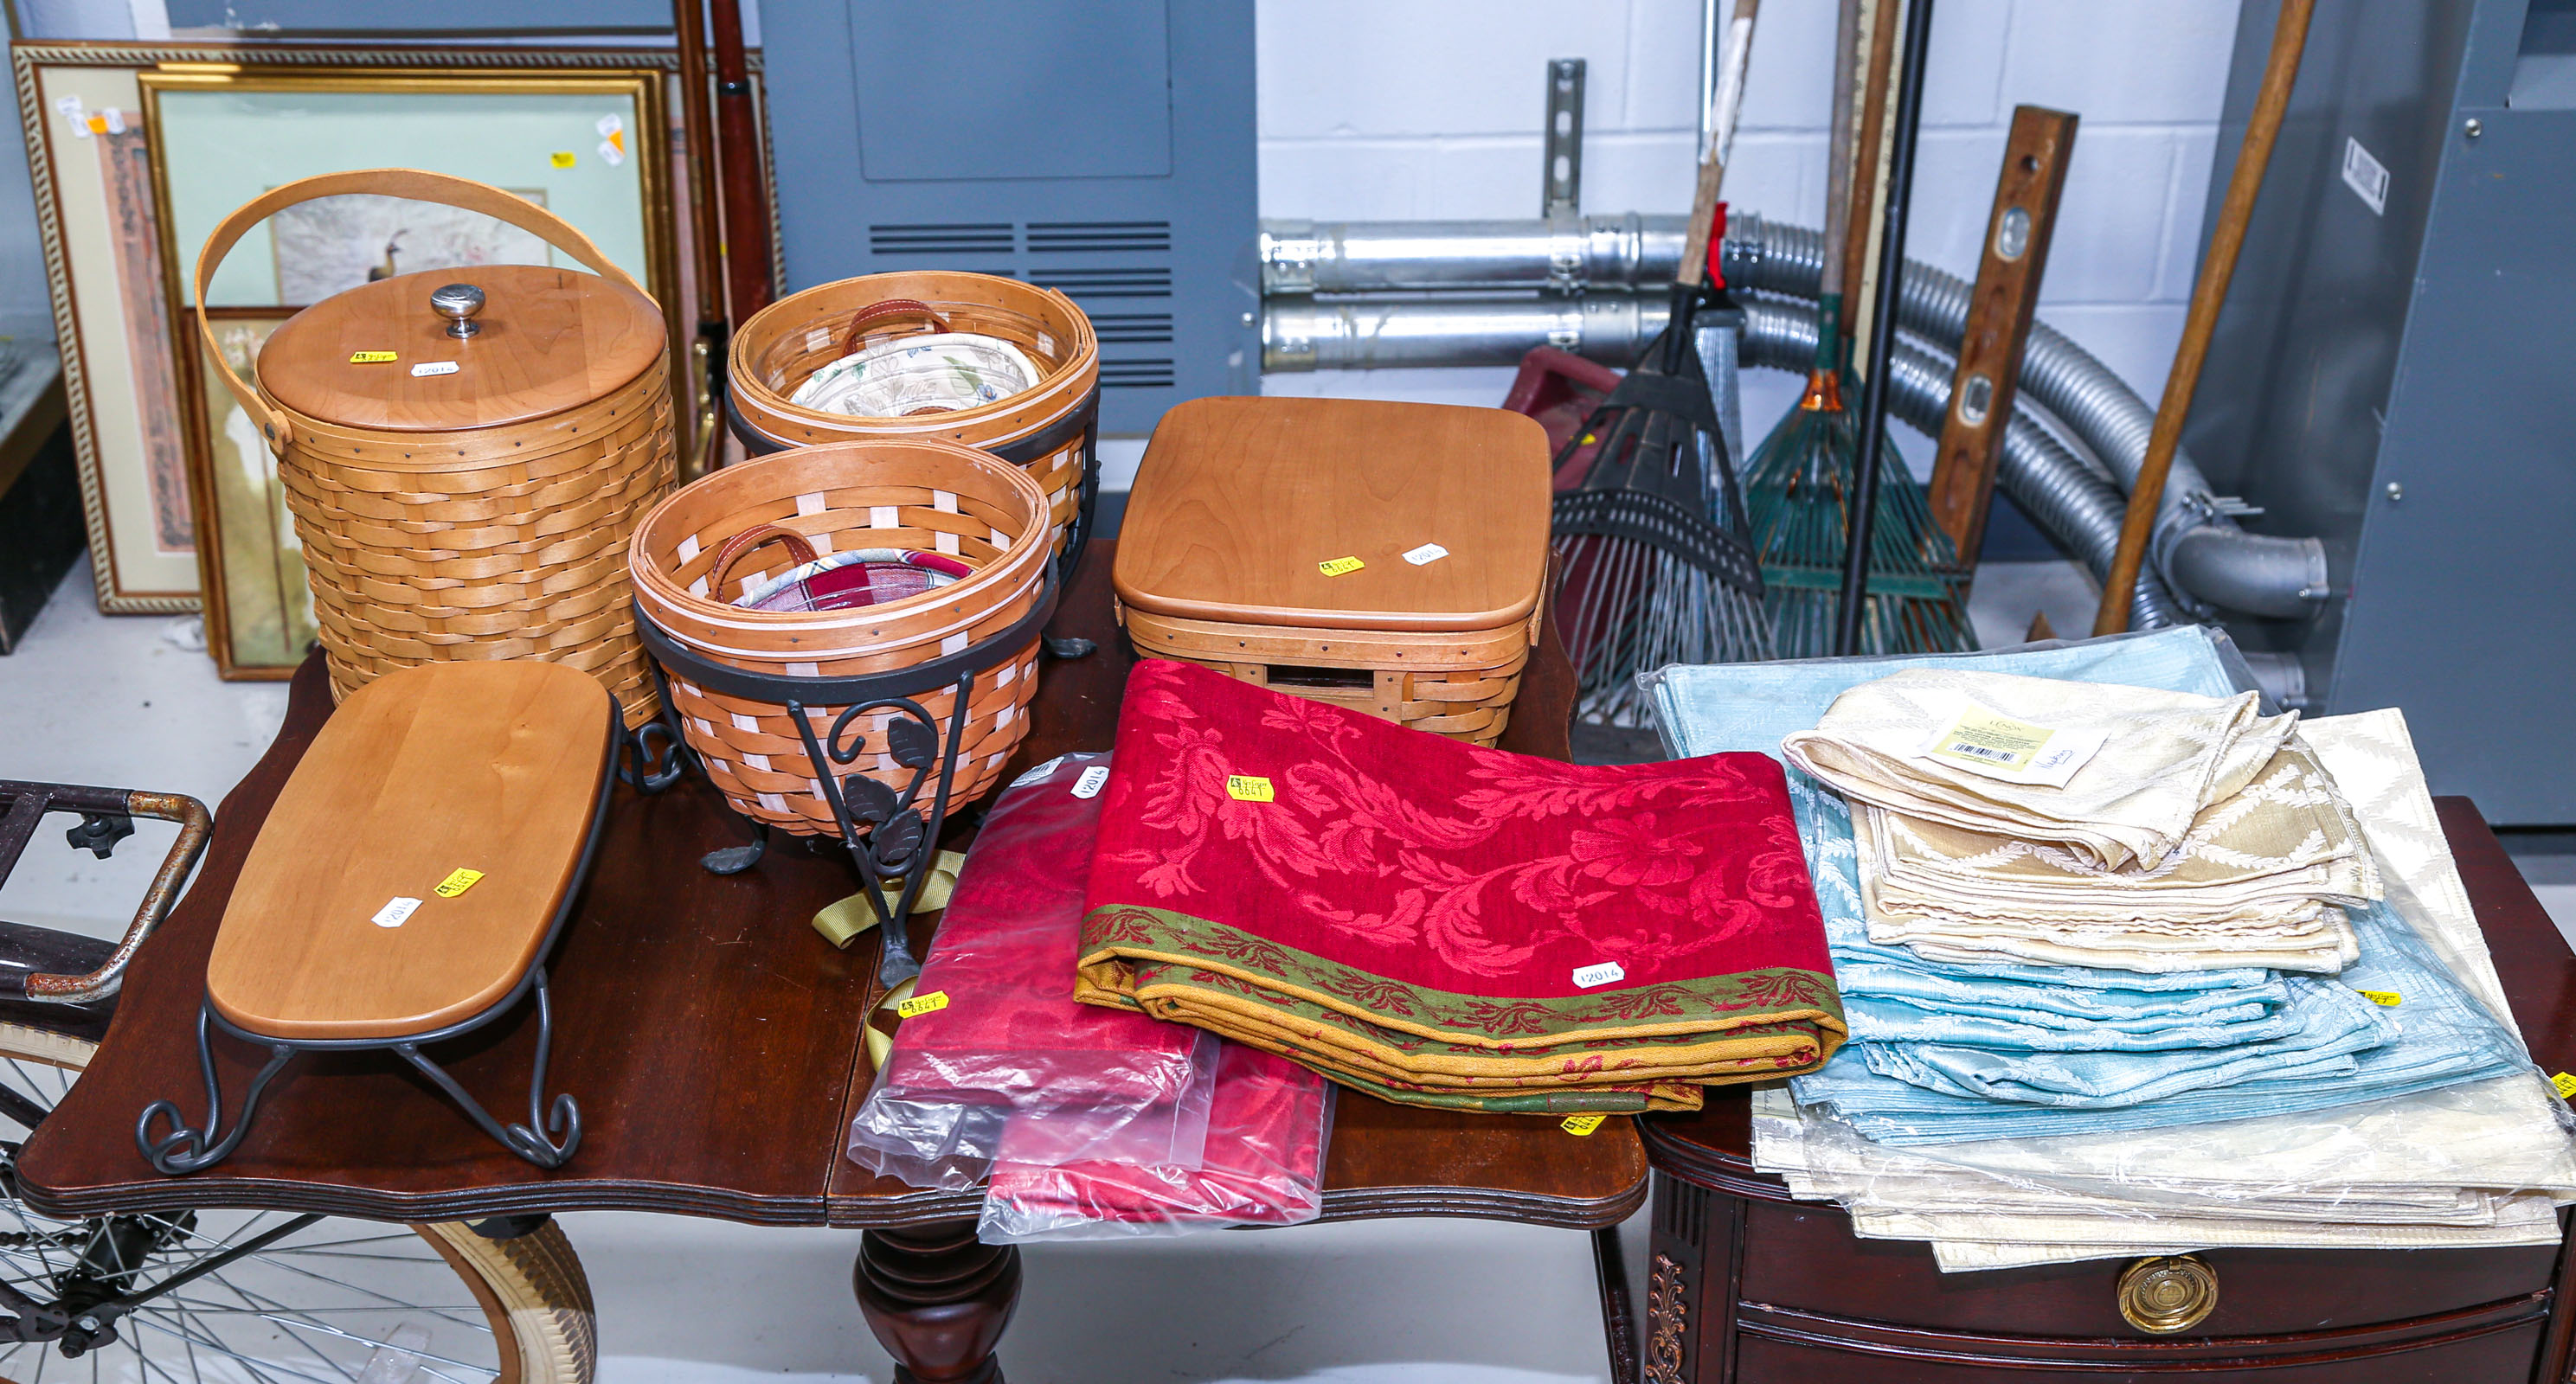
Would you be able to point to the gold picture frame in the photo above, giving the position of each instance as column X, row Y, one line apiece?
column 127, row 375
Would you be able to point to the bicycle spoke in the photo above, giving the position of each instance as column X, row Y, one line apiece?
column 249, row 1363
column 370, row 1341
column 395, row 1303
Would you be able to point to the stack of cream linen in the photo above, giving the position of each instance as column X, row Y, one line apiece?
column 2005, row 819
column 2487, row 1162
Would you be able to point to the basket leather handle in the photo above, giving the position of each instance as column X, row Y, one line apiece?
column 750, row 538
column 414, row 184
column 891, row 310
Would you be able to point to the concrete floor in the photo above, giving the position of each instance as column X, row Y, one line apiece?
column 134, row 702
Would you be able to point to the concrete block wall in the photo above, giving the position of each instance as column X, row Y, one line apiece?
column 1408, row 109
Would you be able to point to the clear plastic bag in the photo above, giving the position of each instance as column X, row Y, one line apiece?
column 1007, row 1036
column 1263, row 1164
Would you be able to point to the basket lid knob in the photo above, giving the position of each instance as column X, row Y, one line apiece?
column 458, row 303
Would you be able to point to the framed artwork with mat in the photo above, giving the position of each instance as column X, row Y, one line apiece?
column 118, row 246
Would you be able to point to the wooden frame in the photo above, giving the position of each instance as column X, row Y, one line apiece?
column 97, row 327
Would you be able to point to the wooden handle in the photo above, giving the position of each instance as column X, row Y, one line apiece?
column 1874, row 87
column 2280, row 73
column 1727, row 101
column 798, row 548
column 1838, row 147
column 412, row 183
column 2036, row 156
column 891, row 310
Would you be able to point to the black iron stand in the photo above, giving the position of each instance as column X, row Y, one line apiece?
column 551, row 1133
column 185, row 1149
column 889, row 835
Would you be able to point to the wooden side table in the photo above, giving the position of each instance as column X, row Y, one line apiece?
column 1749, row 1287
column 714, row 1043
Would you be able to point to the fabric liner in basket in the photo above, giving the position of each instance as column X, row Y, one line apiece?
column 926, row 495
column 784, row 345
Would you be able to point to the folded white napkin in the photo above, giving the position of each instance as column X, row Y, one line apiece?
column 2144, row 763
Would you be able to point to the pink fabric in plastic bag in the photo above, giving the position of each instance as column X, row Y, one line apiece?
column 1010, row 1037
column 1263, row 1164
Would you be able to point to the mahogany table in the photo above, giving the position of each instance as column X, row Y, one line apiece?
column 715, row 1045
column 1750, row 1287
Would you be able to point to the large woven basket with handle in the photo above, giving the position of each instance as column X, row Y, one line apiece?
column 1051, row 430
column 464, row 474
column 739, row 529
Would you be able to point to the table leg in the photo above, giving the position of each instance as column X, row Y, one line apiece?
column 937, row 1299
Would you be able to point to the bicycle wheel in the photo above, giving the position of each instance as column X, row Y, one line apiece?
column 267, row 1297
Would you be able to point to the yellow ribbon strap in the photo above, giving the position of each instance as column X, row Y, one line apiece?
column 842, row 922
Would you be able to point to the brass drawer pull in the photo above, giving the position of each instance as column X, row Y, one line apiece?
column 2168, row 1293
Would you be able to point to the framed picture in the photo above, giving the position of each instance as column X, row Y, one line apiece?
column 589, row 146
column 121, row 232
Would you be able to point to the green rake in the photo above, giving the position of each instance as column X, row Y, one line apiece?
column 1804, row 482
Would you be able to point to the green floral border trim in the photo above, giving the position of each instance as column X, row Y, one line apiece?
column 1185, row 993
column 1714, row 1004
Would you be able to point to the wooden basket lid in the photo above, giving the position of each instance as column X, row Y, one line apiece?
column 1240, row 501
column 493, row 766
column 550, row 340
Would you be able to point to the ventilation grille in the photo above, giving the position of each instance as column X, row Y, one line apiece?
column 1133, row 237
column 1134, row 328
column 1135, row 374
column 1140, row 281
column 964, row 238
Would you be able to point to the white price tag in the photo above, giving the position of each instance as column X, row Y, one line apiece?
column 1092, row 781
column 396, row 913
column 1427, row 553
column 1599, row 973
column 434, row 367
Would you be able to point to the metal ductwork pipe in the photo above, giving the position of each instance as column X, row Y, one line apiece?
column 1567, row 254
column 2199, row 551
column 1304, row 333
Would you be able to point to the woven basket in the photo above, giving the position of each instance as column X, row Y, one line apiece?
column 1455, row 684
column 433, row 543
column 927, row 494
column 1050, row 429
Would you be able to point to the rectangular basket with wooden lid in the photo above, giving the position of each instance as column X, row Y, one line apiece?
column 1387, row 557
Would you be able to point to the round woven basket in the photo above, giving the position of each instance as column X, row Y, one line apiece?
column 926, row 494
column 1050, row 429
column 459, row 522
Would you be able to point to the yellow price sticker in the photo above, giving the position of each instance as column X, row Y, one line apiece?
column 2566, row 1086
column 373, row 357
column 2385, row 999
column 1580, row 1125
column 1340, row 566
column 563, row 158
column 919, row 1005
column 457, row 882
column 1249, row 788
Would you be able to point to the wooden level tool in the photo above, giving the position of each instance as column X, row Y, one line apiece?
column 2036, row 156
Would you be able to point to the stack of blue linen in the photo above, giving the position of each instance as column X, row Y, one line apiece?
column 1945, row 1052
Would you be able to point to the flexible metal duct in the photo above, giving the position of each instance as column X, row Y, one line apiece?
column 2198, row 549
